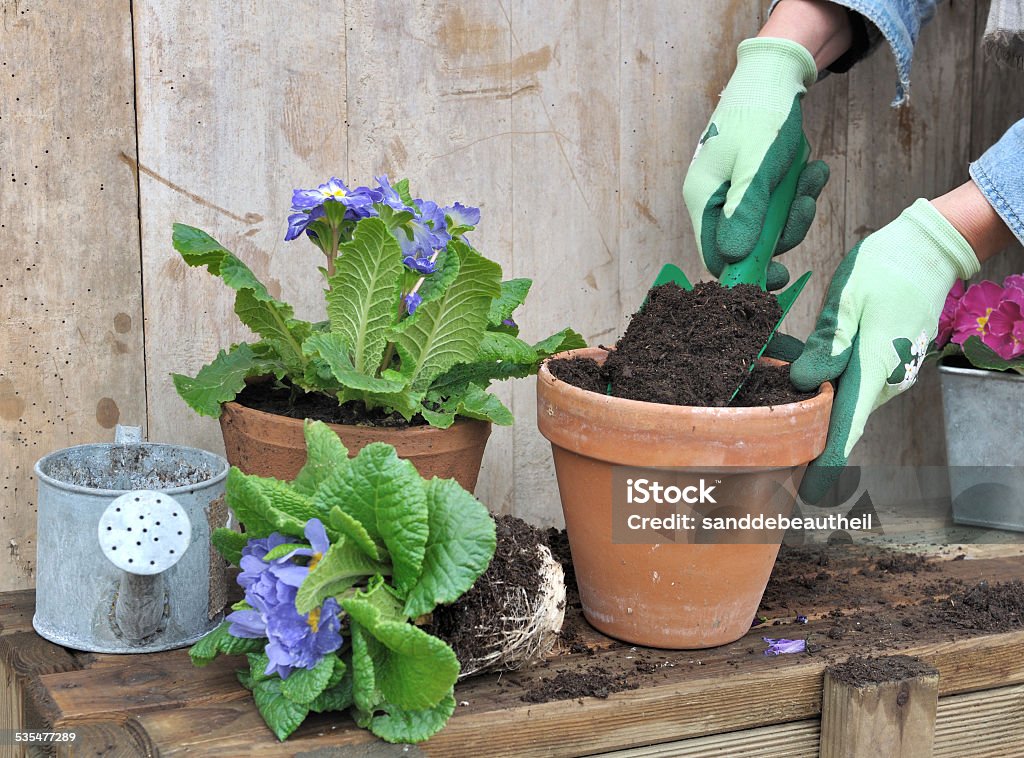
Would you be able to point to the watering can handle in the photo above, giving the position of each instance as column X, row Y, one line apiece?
column 754, row 268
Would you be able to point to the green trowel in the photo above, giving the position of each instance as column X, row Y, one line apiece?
column 754, row 268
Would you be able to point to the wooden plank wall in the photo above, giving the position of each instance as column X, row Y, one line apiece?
column 571, row 124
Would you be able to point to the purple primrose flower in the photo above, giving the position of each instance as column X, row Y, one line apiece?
column 462, row 215
column 784, row 647
column 412, row 302
column 294, row 640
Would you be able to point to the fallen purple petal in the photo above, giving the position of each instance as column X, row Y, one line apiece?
column 801, row 619
column 784, row 647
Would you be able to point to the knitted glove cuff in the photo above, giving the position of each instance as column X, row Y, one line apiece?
column 769, row 73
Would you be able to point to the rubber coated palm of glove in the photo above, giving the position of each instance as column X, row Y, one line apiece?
column 752, row 139
column 880, row 315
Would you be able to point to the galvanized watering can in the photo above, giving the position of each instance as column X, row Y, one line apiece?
column 124, row 562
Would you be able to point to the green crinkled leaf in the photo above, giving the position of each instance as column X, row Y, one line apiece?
column 281, row 714
column 365, row 693
column 304, row 685
column 480, row 404
column 275, row 323
column 567, row 339
column 458, row 378
column 459, row 547
column 385, row 494
column 355, row 531
column 334, row 350
column 337, row 697
column 513, row 294
column 271, row 319
column 982, row 356
column 497, row 346
column 447, row 271
column 342, row 566
column 220, row 641
column 229, row 544
column 217, row 382
column 282, row 550
column 400, row 725
column 402, row 188
column 325, row 454
column 258, row 663
column 284, row 498
column 469, row 401
column 448, row 330
column 362, row 302
column 253, row 508
column 415, row 670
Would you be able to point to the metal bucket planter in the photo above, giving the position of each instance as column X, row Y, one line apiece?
column 984, row 413
column 124, row 562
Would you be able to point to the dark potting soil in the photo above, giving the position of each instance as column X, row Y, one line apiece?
column 986, row 608
column 768, row 385
column 284, row 401
column 516, row 564
column 862, row 671
column 690, row 348
column 567, row 685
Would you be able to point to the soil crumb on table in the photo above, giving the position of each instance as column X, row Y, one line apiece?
column 691, row 348
column 860, row 672
column 567, row 685
column 294, row 403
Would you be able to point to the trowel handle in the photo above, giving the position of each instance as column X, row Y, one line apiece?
column 754, row 268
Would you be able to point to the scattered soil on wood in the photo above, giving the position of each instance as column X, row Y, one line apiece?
column 847, row 601
column 515, row 568
column 567, row 685
column 690, row 347
column 294, row 403
column 985, row 608
column 860, row 672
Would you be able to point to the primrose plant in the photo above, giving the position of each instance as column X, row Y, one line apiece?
column 338, row 567
column 984, row 323
column 418, row 321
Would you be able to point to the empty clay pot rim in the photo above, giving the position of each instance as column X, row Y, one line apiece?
column 410, row 430
column 824, row 396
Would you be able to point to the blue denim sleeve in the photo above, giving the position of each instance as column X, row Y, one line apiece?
column 999, row 173
column 898, row 22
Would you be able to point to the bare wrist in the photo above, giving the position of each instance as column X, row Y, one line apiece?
column 970, row 213
column 820, row 26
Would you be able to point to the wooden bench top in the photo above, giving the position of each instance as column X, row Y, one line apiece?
column 159, row 704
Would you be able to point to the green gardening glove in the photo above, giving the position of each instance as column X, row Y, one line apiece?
column 753, row 138
column 879, row 317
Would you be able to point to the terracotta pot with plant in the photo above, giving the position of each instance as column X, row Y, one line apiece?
column 677, row 487
column 418, row 325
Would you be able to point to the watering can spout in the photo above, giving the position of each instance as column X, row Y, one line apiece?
column 143, row 533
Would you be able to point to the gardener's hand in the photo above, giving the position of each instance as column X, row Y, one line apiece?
column 750, row 143
column 881, row 312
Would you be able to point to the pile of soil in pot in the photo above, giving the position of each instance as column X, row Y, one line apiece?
column 691, row 347
column 284, row 400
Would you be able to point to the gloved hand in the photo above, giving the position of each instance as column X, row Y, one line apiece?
column 748, row 146
column 879, row 317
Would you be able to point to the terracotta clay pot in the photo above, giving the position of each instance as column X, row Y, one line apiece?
column 267, row 444
column 670, row 595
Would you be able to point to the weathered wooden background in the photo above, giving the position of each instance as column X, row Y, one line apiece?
column 570, row 124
